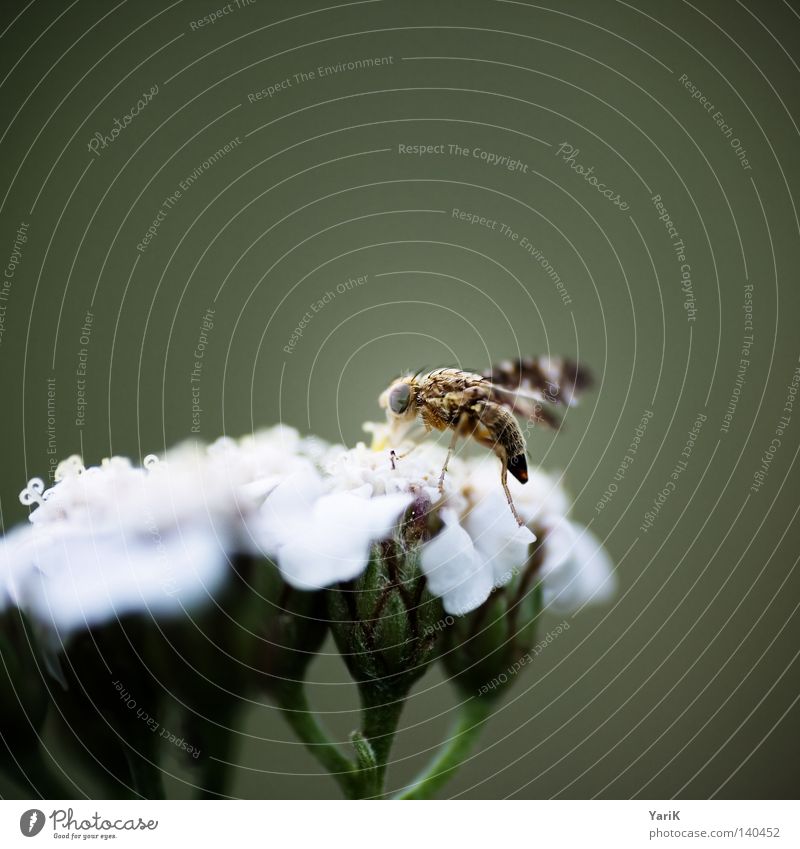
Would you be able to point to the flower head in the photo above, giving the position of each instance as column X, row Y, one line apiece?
column 119, row 538
column 113, row 539
column 320, row 525
column 566, row 569
column 575, row 568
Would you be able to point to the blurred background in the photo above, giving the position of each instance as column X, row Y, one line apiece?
column 208, row 226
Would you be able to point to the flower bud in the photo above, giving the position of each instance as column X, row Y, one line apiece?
column 384, row 620
column 384, row 625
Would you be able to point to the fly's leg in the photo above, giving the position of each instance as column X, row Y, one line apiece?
column 394, row 456
column 450, row 450
column 504, row 479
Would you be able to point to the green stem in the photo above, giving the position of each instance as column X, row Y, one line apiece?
column 367, row 776
column 380, row 716
column 293, row 704
column 471, row 717
column 215, row 741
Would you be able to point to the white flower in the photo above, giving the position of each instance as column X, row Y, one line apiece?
column 465, row 562
column 116, row 538
column 320, row 529
column 263, row 460
column 576, row 569
column 19, row 556
column 376, row 473
column 318, row 538
column 77, row 580
column 541, row 495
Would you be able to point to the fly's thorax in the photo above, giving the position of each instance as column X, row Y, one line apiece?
column 443, row 380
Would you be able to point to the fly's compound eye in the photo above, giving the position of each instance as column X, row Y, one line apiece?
column 399, row 398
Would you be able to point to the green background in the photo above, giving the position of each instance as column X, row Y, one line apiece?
column 687, row 684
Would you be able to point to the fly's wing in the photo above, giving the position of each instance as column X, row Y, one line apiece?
column 532, row 386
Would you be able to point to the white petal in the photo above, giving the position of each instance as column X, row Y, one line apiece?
column 87, row 581
column 307, row 564
column 287, row 508
column 262, row 487
column 454, row 569
column 497, row 537
column 21, row 550
column 576, row 568
column 361, row 518
column 335, row 544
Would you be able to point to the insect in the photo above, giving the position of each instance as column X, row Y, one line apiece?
column 485, row 407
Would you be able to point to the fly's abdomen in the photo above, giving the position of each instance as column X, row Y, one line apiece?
column 518, row 466
column 503, row 435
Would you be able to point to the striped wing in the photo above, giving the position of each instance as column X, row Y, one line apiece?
column 532, row 386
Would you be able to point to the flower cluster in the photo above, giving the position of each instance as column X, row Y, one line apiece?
column 116, row 538
column 368, row 536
